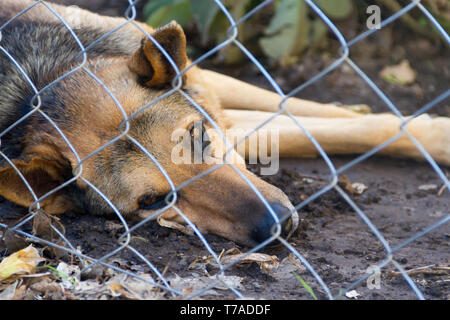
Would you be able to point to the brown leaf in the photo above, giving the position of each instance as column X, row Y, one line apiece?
column 9, row 292
column 265, row 261
column 20, row 263
column 14, row 242
column 42, row 226
column 355, row 188
column 46, row 286
column 401, row 73
column 345, row 183
column 175, row 225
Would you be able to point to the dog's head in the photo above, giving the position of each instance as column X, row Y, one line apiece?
column 129, row 162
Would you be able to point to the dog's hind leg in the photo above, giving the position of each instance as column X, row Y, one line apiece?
column 236, row 94
column 346, row 135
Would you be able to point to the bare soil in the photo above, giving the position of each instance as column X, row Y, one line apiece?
column 332, row 236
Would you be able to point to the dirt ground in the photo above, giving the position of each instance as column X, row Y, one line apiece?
column 402, row 198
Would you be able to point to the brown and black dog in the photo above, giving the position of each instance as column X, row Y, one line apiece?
column 135, row 73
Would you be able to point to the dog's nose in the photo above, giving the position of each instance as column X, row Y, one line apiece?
column 288, row 220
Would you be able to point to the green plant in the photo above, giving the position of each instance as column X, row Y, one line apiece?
column 58, row 273
column 281, row 31
column 417, row 22
column 305, row 285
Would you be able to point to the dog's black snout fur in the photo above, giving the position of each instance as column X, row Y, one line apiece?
column 267, row 226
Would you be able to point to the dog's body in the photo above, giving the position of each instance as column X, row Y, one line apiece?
column 114, row 80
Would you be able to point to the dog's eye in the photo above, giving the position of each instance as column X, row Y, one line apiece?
column 152, row 202
column 199, row 135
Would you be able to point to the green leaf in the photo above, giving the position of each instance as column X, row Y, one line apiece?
column 237, row 8
column 218, row 28
column 305, row 285
column 423, row 21
column 204, row 12
column 444, row 22
column 154, row 5
column 338, row 9
column 287, row 33
column 181, row 12
column 318, row 32
column 155, row 19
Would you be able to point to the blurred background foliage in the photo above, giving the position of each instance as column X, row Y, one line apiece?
column 283, row 29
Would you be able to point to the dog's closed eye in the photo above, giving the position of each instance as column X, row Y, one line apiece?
column 199, row 136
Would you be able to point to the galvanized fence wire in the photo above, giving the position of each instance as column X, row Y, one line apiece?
column 123, row 242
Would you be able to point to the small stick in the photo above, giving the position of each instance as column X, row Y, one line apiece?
column 441, row 190
column 431, row 269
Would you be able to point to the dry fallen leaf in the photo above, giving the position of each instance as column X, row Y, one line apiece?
column 9, row 292
column 235, row 256
column 175, row 225
column 116, row 289
column 359, row 188
column 353, row 294
column 265, row 261
column 14, row 242
column 20, row 263
column 287, row 266
column 42, row 226
column 70, row 275
column 132, row 288
column 198, row 282
column 47, row 288
column 401, row 73
column 345, row 183
column 355, row 188
column 19, row 293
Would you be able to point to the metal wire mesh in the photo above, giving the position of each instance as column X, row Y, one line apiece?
column 124, row 242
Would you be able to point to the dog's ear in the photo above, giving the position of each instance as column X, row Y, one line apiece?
column 42, row 176
column 151, row 64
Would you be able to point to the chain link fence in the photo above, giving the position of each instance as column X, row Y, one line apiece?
column 220, row 277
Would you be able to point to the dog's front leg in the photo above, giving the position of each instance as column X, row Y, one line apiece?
column 347, row 135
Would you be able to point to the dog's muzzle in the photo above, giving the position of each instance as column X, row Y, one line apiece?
column 288, row 220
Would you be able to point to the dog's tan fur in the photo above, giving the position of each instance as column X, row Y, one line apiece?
column 221, row 202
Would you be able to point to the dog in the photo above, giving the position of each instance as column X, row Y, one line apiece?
column 60, row 105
